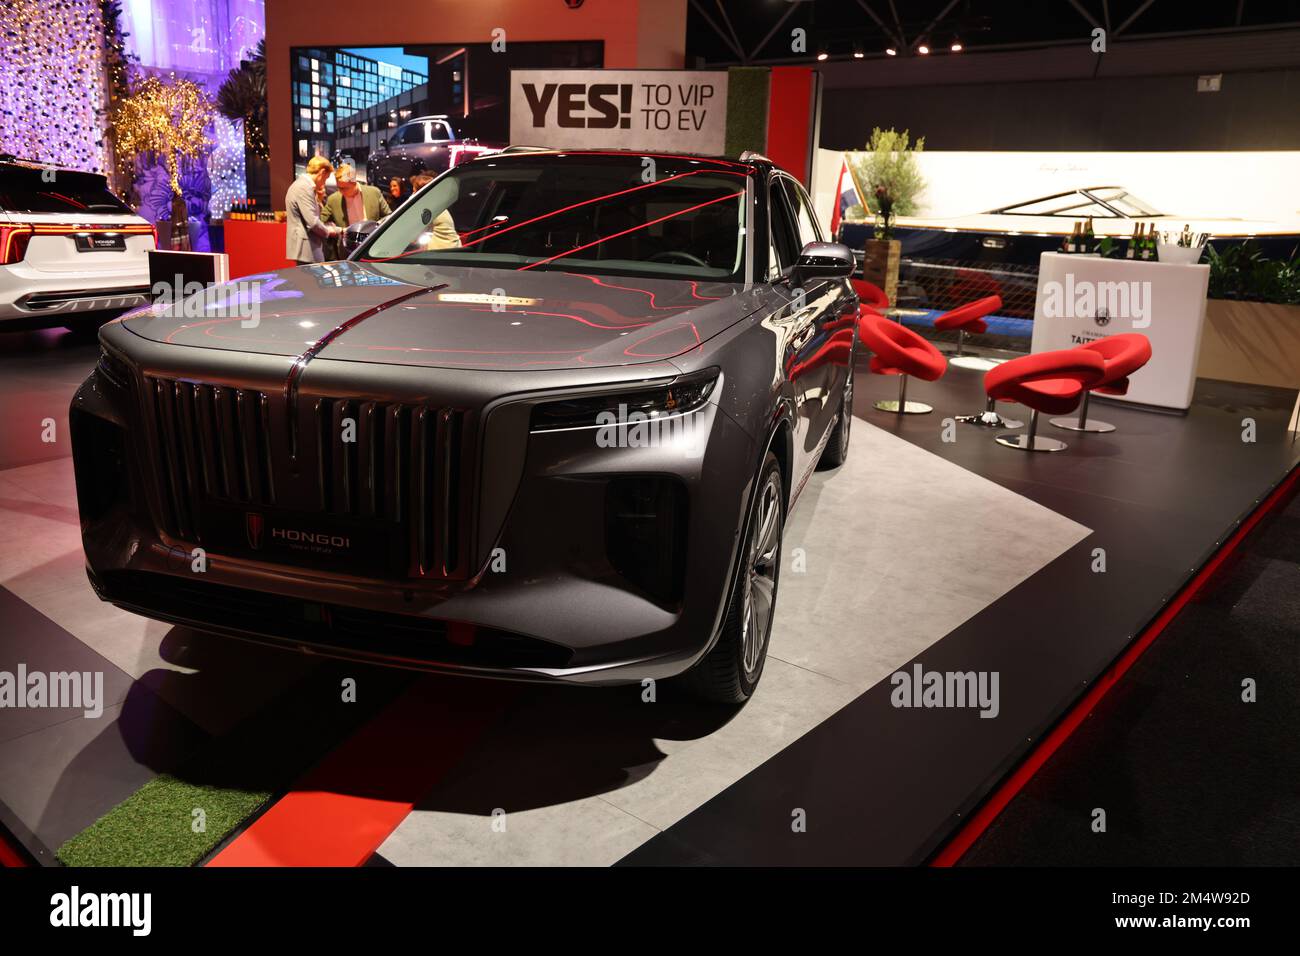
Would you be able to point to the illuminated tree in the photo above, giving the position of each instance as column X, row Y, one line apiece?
column 168, row 120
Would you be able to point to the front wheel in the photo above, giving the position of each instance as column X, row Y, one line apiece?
column 730, row 672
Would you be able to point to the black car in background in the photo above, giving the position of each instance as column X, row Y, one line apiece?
column 546, row 423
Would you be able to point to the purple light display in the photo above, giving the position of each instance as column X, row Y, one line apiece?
column 52, row 84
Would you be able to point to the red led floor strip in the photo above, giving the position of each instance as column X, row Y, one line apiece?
column 964, row 838
column 344, row 808
column 10, row 855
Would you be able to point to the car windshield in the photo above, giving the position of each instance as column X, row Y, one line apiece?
column 617, row 215
column 25, row 189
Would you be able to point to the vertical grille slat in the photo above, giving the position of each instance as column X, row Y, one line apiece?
column 264, row 416
column 205, row 423
column 422, row 477
column 175, row 515
column 184, row 397
column 394, row 461
column 447, row 518
column 225, row 442
column 368, row 460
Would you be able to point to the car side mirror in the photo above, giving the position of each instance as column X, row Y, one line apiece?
column 822, row 260
column 357, row 233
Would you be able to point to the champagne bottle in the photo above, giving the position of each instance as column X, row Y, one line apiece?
column 1089, row 237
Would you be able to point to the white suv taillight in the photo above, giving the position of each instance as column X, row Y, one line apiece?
column 13, row 243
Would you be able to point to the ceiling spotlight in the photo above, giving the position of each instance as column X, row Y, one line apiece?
column 822, row 54
column 890, row 51
column 923, row 49
column 956, row 46
column 858, row 52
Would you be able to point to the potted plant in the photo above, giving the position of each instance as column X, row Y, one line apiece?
column 1252, row 317
column 890, row 181
column 242, row 98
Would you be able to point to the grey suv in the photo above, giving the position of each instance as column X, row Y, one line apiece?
column 545, row 424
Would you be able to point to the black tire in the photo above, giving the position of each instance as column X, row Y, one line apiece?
column 837, row 447
column 723, row 675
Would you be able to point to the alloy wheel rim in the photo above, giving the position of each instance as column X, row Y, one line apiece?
column 760, row 575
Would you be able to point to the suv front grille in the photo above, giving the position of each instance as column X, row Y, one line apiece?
column 386, row 462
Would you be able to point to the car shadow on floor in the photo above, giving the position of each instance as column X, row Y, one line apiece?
column 256, row 718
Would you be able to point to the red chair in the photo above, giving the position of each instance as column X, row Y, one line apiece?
column 966, row 319
column 1123, row 355
column 900, row 351
column 1052, row 382
column 870, row 295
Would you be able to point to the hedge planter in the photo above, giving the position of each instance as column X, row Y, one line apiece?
column 1253, row 342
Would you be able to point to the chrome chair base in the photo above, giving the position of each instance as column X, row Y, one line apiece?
column 1081, row 422
column 1031, row 443
column 900, row 405
column 1082, row 425
column 909, row 408
column 973, row 362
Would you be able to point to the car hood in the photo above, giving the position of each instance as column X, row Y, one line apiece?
column 435, row 316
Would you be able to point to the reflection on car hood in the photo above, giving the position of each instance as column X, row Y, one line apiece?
column 435, row 316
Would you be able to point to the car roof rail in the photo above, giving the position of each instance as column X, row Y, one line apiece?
column 753, row 156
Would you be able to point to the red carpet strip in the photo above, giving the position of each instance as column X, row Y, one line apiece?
column 344, row 808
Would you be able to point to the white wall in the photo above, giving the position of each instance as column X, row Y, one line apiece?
column 1242, row 185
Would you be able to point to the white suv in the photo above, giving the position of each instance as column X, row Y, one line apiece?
column 71, row 252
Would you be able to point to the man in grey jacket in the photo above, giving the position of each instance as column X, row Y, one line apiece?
column 306, row 233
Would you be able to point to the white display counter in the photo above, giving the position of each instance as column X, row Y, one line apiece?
column 1084, row 298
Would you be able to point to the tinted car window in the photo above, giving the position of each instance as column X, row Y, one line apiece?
column 805, row 218
column 440, row 131
column 782, row 228
column 23, row 190
column 577, row 213
column 413, row 134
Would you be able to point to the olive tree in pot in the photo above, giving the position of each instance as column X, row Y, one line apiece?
column 891, row 182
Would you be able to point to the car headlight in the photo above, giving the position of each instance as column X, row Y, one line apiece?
column 676, row 396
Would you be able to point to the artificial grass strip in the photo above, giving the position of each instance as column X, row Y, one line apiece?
column 155, row 825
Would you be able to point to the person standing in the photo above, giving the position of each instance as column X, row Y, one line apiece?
column 354, row 201
column 306, row 233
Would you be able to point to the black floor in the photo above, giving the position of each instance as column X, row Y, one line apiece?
column 1187, row 772
column 885, row 785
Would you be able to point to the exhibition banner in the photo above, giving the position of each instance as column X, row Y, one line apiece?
column 664, row 110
